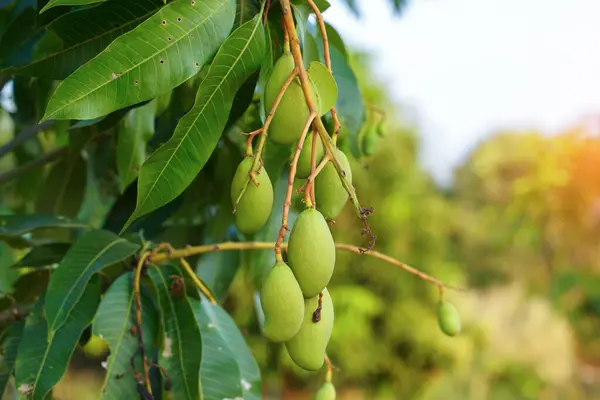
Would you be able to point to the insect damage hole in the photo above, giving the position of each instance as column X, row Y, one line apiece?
column 169, row 38
column 164, row 22
column 179, row 19
column 162, row 61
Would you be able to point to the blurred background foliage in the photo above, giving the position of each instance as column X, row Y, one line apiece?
column 518, row 227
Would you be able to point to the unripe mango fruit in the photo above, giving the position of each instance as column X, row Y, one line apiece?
column 292, row 113
column 307, row 348
column 255, row 206
column 304, row 161
column 326, row 392
column 330, row 194
column 282, row 303
column 370, row 141
column 311, row 252
column 449, row 318
column 297, row 198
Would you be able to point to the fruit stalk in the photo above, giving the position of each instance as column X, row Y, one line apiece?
column 189, row 251
column 263, row 135
column 336, row 121
column 329, row 366
column 199, row 284
column 144, row 258
column 328, row 145
column 310, row 186
column 290, row 188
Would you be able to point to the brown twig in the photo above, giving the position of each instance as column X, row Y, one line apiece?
column 199, row 284
column 329, row 366
column 226, row 246
column 42, row 160
column 263, row 136
column 327, row 142
column 314, row 173
column 266, row 14
column 144, row 257
column 336, row 121
column 290, row 188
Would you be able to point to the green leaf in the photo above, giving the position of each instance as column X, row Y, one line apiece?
column 8, row 353
column 228, row 368
column 91, row 253
column 82, row 34
column 43, row 255
column 42, row 361
column 7, row 276
column 173, row 167
column 135, row 131
column 246, row 10
column 217, row 270
column 64, row 188
column 56, row 3
column 115, row 317
column 327, row 90
column 27, row 288
column 333, row 37
column 13, row 227
column 182, row 351
column 161, row 53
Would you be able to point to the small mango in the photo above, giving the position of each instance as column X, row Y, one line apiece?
column 255, row 206
column 292, row 113
column 330, row 194
column 370, row 140
column 304, row 161
column 307, row 348
column 326, row 392
column 311, row 252
column 449, row 318
column 282, row 303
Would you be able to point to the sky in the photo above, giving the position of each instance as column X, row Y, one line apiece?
column 471, row 67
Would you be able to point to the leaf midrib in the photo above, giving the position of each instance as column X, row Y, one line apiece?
column 217, row 88
column 123, row 74
column 51, row 328
column 177, row 330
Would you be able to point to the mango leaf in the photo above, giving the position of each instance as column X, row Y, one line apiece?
column 8, row 353
column 173, row 167
column 92, row 252
column 246, row 10
column 13, row 227
column 43, row 255
column 27, row 288
column 228, row 368
column 333, row 37
column 56, row 3
column 327, row 88
column 64, row 188
column 182, row 351
column 113, row 321
column 7, row 276
column 134, row 132
column 42, row 361
column 159, row 54
column 80, row 35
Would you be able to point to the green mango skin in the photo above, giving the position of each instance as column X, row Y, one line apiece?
column 307, row 348
column 449, row 318
column 326, row 392
column 311, row 252
column 330, row 194
column 280, row 73
column 282, row 303
column 303, row 167
column 370, row 141
column 254, row 208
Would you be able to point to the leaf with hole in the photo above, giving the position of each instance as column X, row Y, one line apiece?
column 42, row 361
column 173, row 167
column 159, row 54
column 91, row 253
column 228, row 368
column 114, row 322
column 182, row 346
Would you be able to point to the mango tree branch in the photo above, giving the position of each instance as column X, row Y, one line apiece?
column 309, row 185
column 263, row 137
column 138, row 317
column 290, row 188
column 329, row 146
column 159, row 257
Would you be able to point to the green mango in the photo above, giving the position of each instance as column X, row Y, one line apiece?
column 311, row 252
column 303, row 167
column 283, row 304
column 370, row 140
column 330, row 194
column 307, row 348
column 297, row 198
column 254, row 208
column 449, row 318
column 326, row 392
column 380, row 129
column 280, row 73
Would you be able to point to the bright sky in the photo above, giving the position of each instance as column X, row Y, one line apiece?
column 471, row 66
